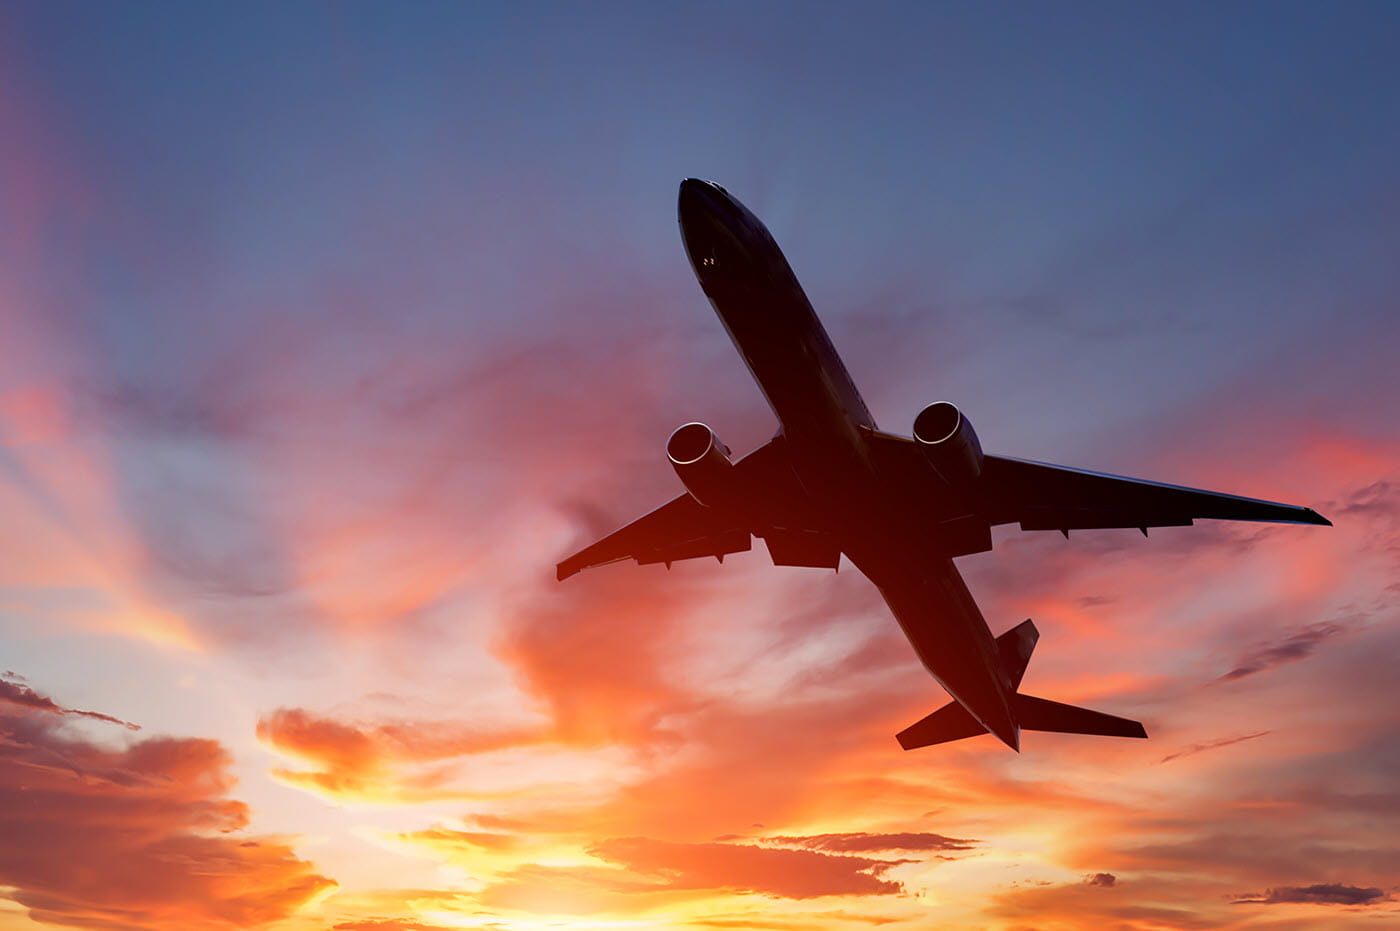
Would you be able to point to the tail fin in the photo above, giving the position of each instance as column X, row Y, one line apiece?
column 953, row 722
column 1015, row 647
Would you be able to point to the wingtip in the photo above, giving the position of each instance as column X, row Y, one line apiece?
column 1318, row 519
column 563, row 571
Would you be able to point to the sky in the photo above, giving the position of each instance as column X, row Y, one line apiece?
column 327, row 330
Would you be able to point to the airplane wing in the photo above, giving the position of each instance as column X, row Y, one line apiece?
column 682, row 528
column 1040, row 496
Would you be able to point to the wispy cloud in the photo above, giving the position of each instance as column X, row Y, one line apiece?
column 1317, row 894
column 1212, row 745
column 1290, row 650
column 12, row 692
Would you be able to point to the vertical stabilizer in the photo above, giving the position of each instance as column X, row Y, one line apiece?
column 1015, row 647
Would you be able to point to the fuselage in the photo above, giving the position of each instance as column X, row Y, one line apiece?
column 822, row 418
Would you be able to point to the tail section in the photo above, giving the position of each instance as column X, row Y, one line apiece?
column 953, row 722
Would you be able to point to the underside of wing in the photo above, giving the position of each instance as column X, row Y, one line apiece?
column 683, row 528
column 1040, row 496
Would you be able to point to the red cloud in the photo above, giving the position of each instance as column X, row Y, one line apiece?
column 136, row 839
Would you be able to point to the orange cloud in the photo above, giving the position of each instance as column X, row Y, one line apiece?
column 644, row 874
column 380, row 762
column 142, row 838
column 790, row 874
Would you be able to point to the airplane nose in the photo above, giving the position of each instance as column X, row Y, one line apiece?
column 726, row 244
column 696, row 201
column 704, row 227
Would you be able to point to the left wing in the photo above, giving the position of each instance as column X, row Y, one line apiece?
column 1040, row 496
column 682, row 528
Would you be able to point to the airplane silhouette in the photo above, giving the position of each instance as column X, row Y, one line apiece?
column 831, row 483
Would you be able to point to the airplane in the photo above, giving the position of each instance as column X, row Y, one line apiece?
column 900, row 509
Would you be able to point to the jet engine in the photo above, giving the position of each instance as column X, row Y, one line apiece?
column 702, row 462
column 948, row 442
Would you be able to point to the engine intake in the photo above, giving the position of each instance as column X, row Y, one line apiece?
column 702, row 463
column 949, row 443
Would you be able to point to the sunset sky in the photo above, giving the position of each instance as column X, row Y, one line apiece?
column 326, row 330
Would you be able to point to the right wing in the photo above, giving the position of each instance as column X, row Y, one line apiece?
column 682, row 528
column 1041, row 496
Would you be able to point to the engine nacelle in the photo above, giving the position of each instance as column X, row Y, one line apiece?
column 949, row 443
column 702, row 462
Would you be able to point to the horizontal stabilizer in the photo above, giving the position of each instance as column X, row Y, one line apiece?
column 951, row 722
column 1039, row 714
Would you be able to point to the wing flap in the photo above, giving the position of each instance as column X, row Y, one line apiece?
column 718, row 546
column 802, row 548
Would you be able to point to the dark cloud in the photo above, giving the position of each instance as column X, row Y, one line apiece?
column 1317, row 894
column 141, row 838
column 12, row 693
column 1299, row 646
column 1211, row 745
column 866, row 843
column 1102, row 879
